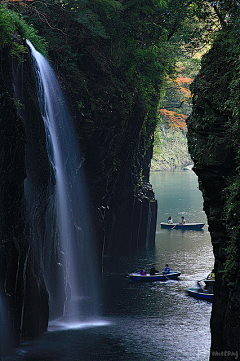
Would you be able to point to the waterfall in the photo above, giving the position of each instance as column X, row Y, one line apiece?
column 73, row 216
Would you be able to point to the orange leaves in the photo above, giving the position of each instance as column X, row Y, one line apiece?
column 186, row 91
column 183, row 83
column 174, row 119
column 165, row 112
column 182, row 80
column 177, row 101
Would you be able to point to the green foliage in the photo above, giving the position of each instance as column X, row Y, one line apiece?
column 113, row 57
column 17, row 50
column 231, row 105
column 5, row 27
column 216, row 106
column 231, row 216
column 90, row 14
column 12, row 27
column 170, row 149
column 138, row 37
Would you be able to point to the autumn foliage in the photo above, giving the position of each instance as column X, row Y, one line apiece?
column 172, row 114
column 175, row 120
column 183, row 83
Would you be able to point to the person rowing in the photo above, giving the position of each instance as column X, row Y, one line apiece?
column 166, row 270
column 182, row 222
column 153, row 270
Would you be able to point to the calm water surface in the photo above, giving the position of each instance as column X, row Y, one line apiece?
column 143, row 322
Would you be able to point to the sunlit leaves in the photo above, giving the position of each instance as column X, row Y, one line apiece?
column 174, row 120
column 11, row 26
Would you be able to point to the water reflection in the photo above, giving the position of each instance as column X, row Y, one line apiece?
column 62, row 324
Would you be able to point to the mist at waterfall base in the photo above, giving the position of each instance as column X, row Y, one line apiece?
column 69, row 193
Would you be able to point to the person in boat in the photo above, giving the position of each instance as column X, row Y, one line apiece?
column 211, row 275
column 153, row 270
column 167, row 269
column 170, row 221
column 199, row 286
column 143, row 272
column 182, row 221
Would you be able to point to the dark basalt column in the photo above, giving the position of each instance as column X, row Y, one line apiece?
column 13, row 245
column 214, row 152
column 22, row 285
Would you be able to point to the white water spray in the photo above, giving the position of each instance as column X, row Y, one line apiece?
column 71, row 202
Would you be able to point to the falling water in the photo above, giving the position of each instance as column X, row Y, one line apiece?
column 74, row 224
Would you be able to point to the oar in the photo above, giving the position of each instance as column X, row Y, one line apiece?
column 174, row 226
column 165, row 276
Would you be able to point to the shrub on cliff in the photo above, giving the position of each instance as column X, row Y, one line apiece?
column 13, row 29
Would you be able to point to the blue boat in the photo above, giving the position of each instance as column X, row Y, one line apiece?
column 157, row 277
column 200, row 294
column 186, row 226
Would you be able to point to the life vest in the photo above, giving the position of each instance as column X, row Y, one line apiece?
column 212, row 276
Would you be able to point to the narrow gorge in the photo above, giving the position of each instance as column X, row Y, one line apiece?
column 111, row 60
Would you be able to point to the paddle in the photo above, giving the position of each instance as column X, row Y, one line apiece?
column 164, row 274
column 174, row 226
column 161, row 274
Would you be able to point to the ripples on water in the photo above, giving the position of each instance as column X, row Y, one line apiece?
column 143, row 322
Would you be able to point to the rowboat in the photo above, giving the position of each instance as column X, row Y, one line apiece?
column 201, row 294
column 157, row 277
column 209, row 283
column 192, row 226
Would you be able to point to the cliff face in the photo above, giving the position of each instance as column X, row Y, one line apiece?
column 13, row 249
column 116, row 156
column 117, row 163
column 22, row 286
column 214, row 147
column 116, row 138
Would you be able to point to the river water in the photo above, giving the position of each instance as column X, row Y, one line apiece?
column 143, row 322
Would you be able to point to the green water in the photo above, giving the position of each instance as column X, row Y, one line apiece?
column 154, row 321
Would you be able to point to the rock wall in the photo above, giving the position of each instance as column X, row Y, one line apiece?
column 22, row 283
column 116, row 156
column 171, row 151
column 131, row 223
column 117, row 144
column 123, row 202
column 213, row 139
column 13, row 248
